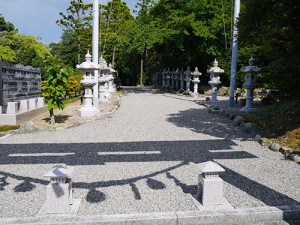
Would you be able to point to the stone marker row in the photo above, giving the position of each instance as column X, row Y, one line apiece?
column 25, row 105
column 59, row 195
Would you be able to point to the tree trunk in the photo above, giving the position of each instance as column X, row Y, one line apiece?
column 141, row 75
column 52, row 119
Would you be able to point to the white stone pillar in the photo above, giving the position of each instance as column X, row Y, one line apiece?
column 24, row 105
column 40, row 102
column 12, row 108
column 32, row 103
column 0, row 109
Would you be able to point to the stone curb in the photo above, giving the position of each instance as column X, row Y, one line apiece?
column 254, row 216
column 252, row 129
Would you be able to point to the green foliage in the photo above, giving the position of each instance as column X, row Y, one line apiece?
column 5, row 128
column 20, row 48
column 54, row 89
column 271, row 32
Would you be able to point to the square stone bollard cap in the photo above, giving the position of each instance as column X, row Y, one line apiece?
column 210, row 167
column 60, row 171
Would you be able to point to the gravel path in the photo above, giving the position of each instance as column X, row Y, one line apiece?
column 143, row 159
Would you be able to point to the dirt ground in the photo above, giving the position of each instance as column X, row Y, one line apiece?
column 69, row 116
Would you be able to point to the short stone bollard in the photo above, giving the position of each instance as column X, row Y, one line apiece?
column 40, row 102
column 12, row 108
column 24, row 105
column 32, row 103
column 210, row 185
column 59, row 191
column 0, row 109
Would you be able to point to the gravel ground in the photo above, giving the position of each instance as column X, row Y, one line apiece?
column 143, row 159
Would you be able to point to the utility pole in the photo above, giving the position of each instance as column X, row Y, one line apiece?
column 95, row 49
column 234, row 52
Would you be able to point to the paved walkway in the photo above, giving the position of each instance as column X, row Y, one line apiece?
column 143, row 159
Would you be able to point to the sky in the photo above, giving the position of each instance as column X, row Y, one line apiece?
column 38, row 17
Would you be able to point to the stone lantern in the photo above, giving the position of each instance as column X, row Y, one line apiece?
column 111, row 84
column 215, row 72
column 59, row 192
column 210, row 185
column 187, row 80
column 177, row 73
column 196, row 80
column 181, row 80
column 163, row 78
column 103, row 80
column 250, row 83
column 168, row 78
column 88, row 82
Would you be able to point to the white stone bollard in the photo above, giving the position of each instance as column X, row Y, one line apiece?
column 210, row 185
column 24, row 105
column 12, row 108
column 59, row 192
column 32, row 103
column 0, row 109
column 40, row 102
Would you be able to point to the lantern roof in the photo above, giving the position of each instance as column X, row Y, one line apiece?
column 88, row 64
column 215, row 69
column 210, row 167
column 61, row 171
column 251, row 67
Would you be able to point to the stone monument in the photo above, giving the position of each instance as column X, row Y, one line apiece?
column 187, row 80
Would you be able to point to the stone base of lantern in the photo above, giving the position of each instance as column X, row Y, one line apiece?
column 247, row 109
column 73, row 210
column 88, row 112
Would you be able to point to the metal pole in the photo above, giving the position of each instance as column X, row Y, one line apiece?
column 95, row 50
column 234, row 52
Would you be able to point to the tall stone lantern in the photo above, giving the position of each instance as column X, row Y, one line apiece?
column 187, row 80
column 196, row 80
column 88, row 82
column 103, row 80
column 214, row 72
column 250, row 83
column 163, row 78
column 168, row 78
column 181, row 80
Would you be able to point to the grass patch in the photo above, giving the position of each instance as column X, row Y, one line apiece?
column 5, row 128
column 71, row 100
column 279, row 122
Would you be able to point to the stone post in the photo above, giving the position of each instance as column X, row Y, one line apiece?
column 40, row 102
column 210, row 185
column 24, row 105
column 250, row 83
column 59, row 192
column 0, row 109
column 177, row 73
column 187, row 80
column 173, row 86
column 214, row 72
column 88, row 82
column 32, row 103
column 196, row 80
column 12, row 108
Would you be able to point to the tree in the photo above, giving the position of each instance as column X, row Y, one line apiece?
column 270, row 30
column 77, row 20
column 20, row 48
column 54, row 89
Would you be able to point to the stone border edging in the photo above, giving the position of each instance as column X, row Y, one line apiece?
column 253, row 130
column 244, row 216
